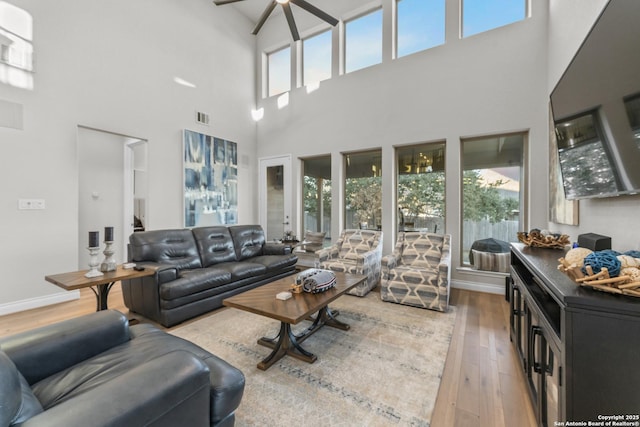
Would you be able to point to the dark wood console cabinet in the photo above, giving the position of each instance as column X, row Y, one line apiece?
column 579, row 348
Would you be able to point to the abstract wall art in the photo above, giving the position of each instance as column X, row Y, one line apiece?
column 210, row 180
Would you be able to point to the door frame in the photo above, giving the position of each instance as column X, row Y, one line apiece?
column 128, row 143
column 264, row 163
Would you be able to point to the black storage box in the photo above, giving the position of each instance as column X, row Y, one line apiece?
column 593, row 241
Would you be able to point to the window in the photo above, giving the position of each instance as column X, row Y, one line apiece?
column 316, row 52
column 363, row 190
column 316, row 197
column 492, row 170
column 279, row 71
column 363, row 41
column 420, row 25
column 16, row 46
column 420, row 190
column 483, row 15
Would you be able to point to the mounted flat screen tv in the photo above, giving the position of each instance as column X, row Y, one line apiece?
column 596, row 108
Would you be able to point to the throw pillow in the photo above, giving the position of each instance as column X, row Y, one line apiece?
column 491, row 261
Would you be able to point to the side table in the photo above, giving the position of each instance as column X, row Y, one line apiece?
column 100, row 285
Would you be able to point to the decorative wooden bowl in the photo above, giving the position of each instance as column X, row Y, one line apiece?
column 538, row 240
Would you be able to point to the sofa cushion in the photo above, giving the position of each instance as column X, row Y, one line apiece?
column 242, row 270
column 194, row 281
column 248, row 240
column 214, row 244
column 491, row 261
column 173, row 247
column 147, row 344
column 227, row 382
column 275, row 262
column 17, row 401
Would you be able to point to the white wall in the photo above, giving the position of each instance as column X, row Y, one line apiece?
column 569, row 23
column 490, row 83
column 110, row 65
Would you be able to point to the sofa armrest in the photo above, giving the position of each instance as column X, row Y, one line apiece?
column 44, row 351
column 391, row 261
column 272, row 248
column 444, row 266
column 327, row 253
column 163, row 272
column 367, row 259
column 172, row 389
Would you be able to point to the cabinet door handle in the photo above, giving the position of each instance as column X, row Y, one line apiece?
column 534, row 332
column 549, row 365
column 514, row 310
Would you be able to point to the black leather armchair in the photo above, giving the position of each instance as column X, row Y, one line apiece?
column 97, row 371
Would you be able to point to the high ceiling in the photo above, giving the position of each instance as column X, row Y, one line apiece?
column 253, row 9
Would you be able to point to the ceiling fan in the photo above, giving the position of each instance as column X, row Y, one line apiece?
column 286, row 7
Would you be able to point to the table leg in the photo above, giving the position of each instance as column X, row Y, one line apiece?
column 325, row 316
column 284, row 343
column 102, row 294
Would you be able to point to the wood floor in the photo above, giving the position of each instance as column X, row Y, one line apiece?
column 482, row 384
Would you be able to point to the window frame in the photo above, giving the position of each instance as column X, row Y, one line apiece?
column 435, row 145
column 461, row 25
column 353, row 18
column 374, row 151
column 396, row 31
column 303, row 174
column 304, row 55
column 523, row 195
column 268, row 55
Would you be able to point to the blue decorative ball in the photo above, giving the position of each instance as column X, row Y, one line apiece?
column 635, row 254
column 598, row 260
column 610, row 251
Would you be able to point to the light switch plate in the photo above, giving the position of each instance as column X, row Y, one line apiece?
column 30, row 204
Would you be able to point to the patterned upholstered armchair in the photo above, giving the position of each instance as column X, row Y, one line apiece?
column 418, row 271
column 355, row 251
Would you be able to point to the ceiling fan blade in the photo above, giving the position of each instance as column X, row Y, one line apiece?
column 314, row 10
column 264, row 16
column 221, row 2
column 292, row 23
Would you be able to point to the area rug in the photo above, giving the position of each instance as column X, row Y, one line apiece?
column 384, row 371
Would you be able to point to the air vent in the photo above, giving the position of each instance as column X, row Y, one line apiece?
column 202, row 118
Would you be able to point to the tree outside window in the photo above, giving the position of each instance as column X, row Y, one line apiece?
column 363, row 190
column 316, row 197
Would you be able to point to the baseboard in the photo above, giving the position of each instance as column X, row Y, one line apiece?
column 28, row 304
column 478, row 287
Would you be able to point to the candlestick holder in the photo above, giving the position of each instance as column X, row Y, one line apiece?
column 109, row 263
column 93, row 263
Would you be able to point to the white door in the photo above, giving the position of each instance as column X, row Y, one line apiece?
column 275, row 196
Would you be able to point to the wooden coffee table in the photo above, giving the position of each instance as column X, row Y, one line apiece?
column 262, row 301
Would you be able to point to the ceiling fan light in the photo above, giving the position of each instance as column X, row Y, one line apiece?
column 282, row 1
